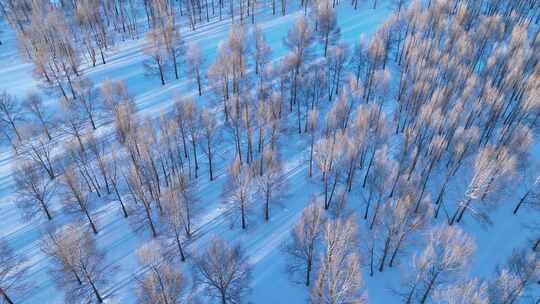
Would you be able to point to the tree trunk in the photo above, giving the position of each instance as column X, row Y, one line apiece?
column 394, row 254
column 266, row 205
column 210, row 161
column 326, row 43
column 179, row 244
column 223, row 297
column 150, row 222
column 429, row 288
column 5, row 296
column 175, row 65
column 102, row 56
column 308, row 271
column 523, row 198
column 371, row 261
column 15, row 129
column 94, row 229
column 243, row 211
column 325, row 181
column 193, row 144
column 199, row 82
column 368, row 168
column 119, row 197
column 411, row 293
column 385, row 253
column 46, row 210
column 311, row 155
column 161, row 73
column 460, row 212
column 99, row 299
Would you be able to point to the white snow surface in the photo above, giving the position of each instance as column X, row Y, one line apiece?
column 262, row 241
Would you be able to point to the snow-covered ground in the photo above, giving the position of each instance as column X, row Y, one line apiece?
column 262, row 241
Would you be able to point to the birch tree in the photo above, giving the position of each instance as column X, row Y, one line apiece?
column 76, row 196
column 33, row 105
column 77, row 264
column 339, row 279
column 271, row 179
column 472, row 291
column 195, row 61
column 12, row 272
column 239, row 191
column 299, row 41
column 327, row 27
column 210, row 133
column 34, row 191
column 10, row 115
column 161, row 282
column 516, row 279
column 443, row 261
column 304, row 245
column 223, row 272
column 156, row 63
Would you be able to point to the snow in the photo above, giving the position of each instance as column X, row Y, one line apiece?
column 262, row 241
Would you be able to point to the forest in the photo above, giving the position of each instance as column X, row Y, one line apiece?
column 263, row 151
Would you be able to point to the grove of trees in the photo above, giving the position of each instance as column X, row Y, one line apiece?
column 406, row 140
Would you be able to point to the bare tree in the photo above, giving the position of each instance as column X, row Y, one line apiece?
column 262, row 52
column 156, row 64
column 336, row 60
column 240, row 189
column 399, row 222
column 304, row 244
column 210, row 134
column 50, row 43
column 115, row 94
column 179, row 209
column 12, row 272
column 33, row 104
column 491, row 166
column 73, row 121
column 514, row 281
column 76, row 195
column 442, row 261
column 95, row 34
column 531, row 198
column 165, row 23
column 39, row 151
column 223, row 272
column 195, row 62
column 312, row 128
column 141, row 197
column 299, row 41
column 327, row 26
column 161, row 282
column 125, row 123
column 328, row 158
column 271, row 179
column 34, row 190
column 78, row 266
column 87, row 100
column 359, row 58
column 97, row 149
column 339, row 279
column 192, row 119
column 380, row 177
column 219, row 77
column 115, row 176
column 86, row 168
column 175, row 218
column 472, row 291
column 10, row 115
